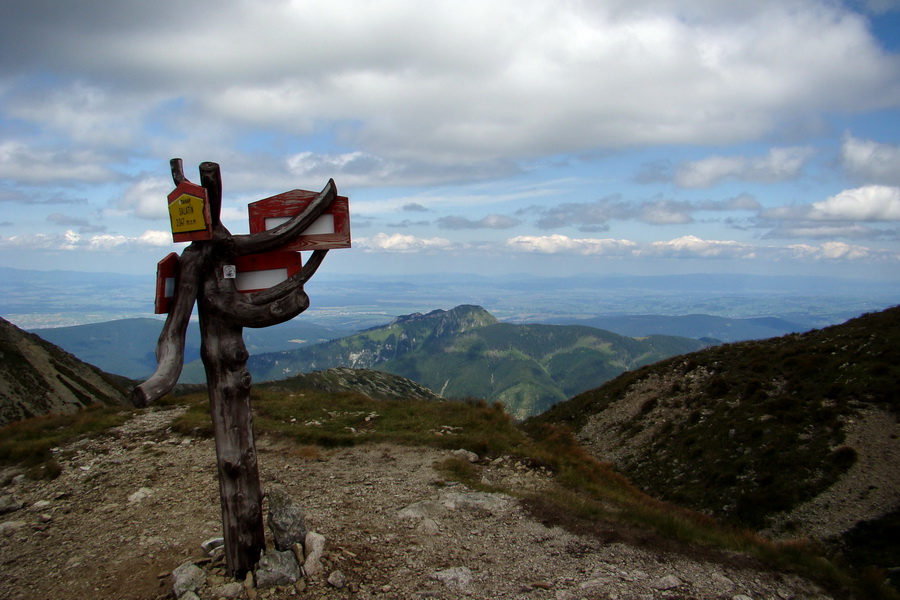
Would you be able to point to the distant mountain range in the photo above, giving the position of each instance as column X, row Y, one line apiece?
column 467, row 352
column 37, row 299
column 127, row 347
column 529, row 367
column 693, row 326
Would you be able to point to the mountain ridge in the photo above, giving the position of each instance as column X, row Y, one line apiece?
column 38, row 378
column 780, row 435
column 467, row 352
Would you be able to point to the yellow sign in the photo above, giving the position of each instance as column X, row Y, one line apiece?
column 186, row 214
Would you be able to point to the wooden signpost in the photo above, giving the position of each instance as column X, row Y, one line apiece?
column 237, row 281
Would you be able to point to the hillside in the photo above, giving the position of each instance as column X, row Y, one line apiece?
column 466, row 352
column 38, row 378
column 797, row 435
column 374, row 384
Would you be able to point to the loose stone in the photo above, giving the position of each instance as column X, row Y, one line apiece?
column 286, row 519
column 188, row 577
column 337, row 579
column 277, row 568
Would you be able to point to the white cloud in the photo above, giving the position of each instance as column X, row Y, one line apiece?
column 153, row 237
column 86, row 114
column 691, row 246
column 488, row 222
column 400, row 243
column 73, row 241
column 819, row 230
column 146, row 199
column 28, row 164
column 871, row 161
column 831, row 251
column 448, row 83
column 561, row 244
column 779, row 165
column 867, row 203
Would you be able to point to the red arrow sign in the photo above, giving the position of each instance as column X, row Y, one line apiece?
column 251, row 273
column 165, row 283
column 331, row 230
column 256, row 272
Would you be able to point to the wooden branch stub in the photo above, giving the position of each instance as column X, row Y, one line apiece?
column 211, row 179
column 177, row 167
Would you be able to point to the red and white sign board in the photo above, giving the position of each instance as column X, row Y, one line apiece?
column 166, row 269
column 189, row 213
column 251, row 273
column 331, row 230
column 256, row 272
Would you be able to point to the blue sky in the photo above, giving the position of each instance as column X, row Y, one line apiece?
column 550, row 137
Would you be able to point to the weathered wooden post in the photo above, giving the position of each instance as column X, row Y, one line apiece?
column 207, row 272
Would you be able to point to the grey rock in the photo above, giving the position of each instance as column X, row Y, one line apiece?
column 722, row 580
column 466, row 454
column 212, row 543
column 454, row 578
column 314, row 547
column 142, row 494
column 490, row 503
column 228, row 590
column 286, row 519
column 8, row 528
column 187, row 577
column 420, row 510
column 337, row 579
column 277, row 568
column 190, row 596
column 666, row 583
column 9, row 503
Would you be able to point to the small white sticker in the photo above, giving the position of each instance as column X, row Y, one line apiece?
column 230, row 271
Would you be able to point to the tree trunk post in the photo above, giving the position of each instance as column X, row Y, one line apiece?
column 225, row 359
column 224, row 312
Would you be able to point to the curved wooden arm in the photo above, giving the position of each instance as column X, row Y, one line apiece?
column 236, row 308
column 170, row 347
column 286, row 232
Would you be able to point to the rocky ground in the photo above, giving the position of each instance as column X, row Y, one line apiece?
column 129, row 508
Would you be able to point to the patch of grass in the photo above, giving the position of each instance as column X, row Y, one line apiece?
column 30, row 442
column 346, row 419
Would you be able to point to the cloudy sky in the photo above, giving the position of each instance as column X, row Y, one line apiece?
column 540, row 136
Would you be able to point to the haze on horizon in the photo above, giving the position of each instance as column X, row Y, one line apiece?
column 549, row 138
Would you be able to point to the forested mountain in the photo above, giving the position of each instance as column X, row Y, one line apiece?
column 466, row 352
